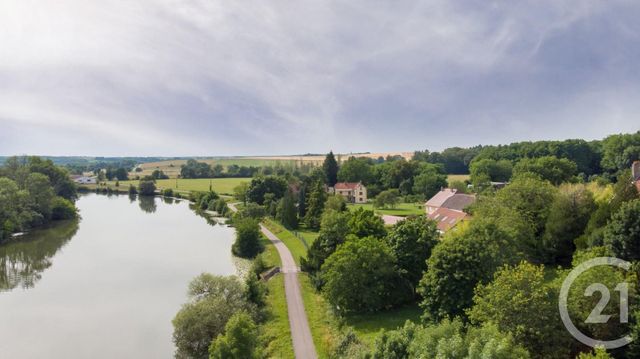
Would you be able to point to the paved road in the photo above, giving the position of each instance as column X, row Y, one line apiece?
column 303, row 346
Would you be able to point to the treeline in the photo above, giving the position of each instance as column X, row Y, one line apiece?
column 195, row 169
column 604, row 158
column 33, row 192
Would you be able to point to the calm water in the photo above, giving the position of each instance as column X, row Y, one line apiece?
column 106, row 286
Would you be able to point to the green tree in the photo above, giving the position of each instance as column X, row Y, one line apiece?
column 335, row 202
column 212, row 301
column 388, row 198
column 550, row 168
column 62, row 208
column 41, row 196
column 568, row 217
column 598, row 353
column 147, row 187
column 260, row 186
column 622, row 234
column 360, row 276
column 489, row 169
column 463, row 259
column 531, row 198
column 448, row 339
column 315, row 205
column 333, row 232
column 519, row 301
column 240, row 340
column 412, row 241
column 364, row 223
column 356, row 170
column 240, row 192
column 330, row 168
column 248, row 242
column 429, row 182
column 287, row 213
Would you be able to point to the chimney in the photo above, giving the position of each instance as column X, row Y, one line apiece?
column 635, row 170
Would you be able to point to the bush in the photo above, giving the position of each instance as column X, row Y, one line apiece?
column 248, row 240
column 168, row 192
column 147, row 188
column 63, row 209
column 132, row 189
column 240, row 340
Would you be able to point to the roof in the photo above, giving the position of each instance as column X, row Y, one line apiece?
column 440, row 197
column 459, row 201
column 391, row 220
column 347, row 185
column 447, row 218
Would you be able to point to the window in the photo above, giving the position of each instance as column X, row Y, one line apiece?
column 361, row 193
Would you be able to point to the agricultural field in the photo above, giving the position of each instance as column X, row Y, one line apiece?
column 220, row 185
column 401, row 209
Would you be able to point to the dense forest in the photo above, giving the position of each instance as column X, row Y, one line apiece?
column 33, row 192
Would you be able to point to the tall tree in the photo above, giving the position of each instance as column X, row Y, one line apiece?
column 315, row 206
column 239, row 341
column 622, row 234
column 330, row 167
column 286, row 212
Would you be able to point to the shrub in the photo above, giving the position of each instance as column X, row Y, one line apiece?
column 147, row 188
column 248, row 241
column 168, row 192
column 63, row 209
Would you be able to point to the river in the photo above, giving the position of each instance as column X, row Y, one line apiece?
column 109, row 284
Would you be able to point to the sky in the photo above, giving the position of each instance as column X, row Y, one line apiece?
column 208, row 77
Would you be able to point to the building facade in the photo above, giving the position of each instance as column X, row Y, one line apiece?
column 351, row 191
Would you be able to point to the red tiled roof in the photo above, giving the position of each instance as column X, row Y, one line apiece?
column 346, row 185
column 447, row 218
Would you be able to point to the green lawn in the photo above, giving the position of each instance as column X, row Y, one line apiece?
column 402, row 209
column 220, row 185
column 276, row 332
column 294, row 244
column 451, row 178
column 308, row 235
column 368, row 326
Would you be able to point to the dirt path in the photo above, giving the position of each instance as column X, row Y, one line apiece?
column 303, row 346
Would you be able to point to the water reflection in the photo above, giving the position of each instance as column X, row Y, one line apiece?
column 23, row 261
column 147, row 204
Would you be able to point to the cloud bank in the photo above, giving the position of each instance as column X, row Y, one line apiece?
column 192, row 77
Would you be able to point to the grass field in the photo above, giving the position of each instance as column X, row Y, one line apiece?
column 451, row 178
column 368, row 326
column 220, row 185
column 402, row 209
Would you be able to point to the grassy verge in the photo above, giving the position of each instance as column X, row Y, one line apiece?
column 402, row 209
column 322, row 322
column 308, row 235
column 276, row 332
column 292, row 242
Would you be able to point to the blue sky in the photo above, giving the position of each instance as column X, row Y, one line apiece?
column 205, row 77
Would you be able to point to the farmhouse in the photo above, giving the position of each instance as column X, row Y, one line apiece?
column 446, row 208
column 351, row 191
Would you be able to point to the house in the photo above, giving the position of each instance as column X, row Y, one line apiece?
column 84, row 180
column 635, row 173
column 351, row 191
column 447, row 208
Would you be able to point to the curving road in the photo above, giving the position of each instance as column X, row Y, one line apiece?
column 303, row 346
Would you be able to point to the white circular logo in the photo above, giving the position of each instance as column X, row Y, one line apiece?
column 596, row 316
